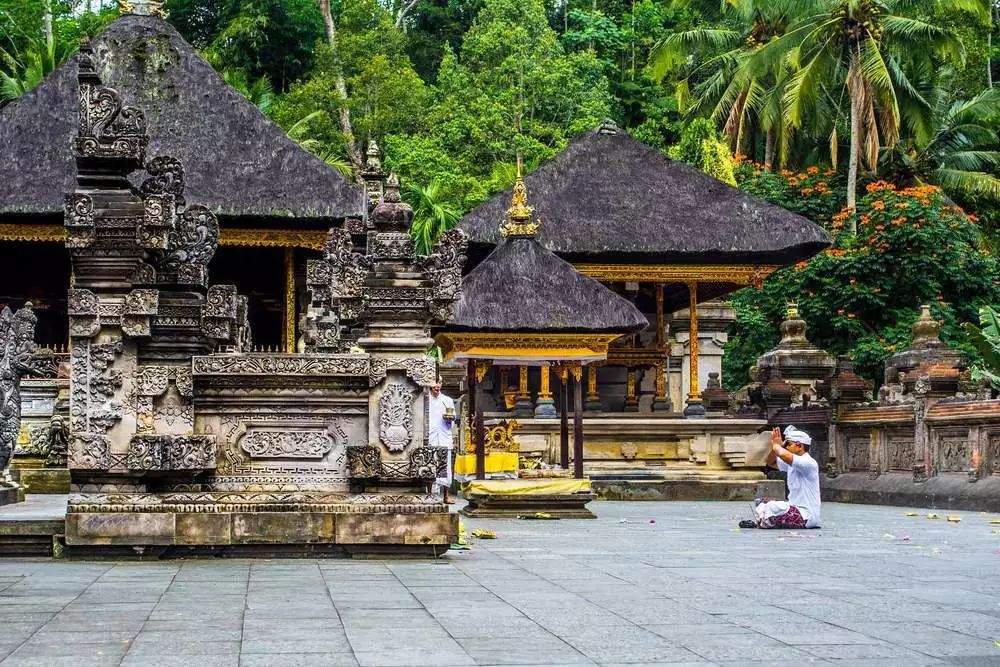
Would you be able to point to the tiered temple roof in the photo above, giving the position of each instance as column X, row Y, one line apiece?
column 611, row 198
column 237, row 162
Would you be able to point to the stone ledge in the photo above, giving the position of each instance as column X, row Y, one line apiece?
column 642, row 489
column 96, row 533
column 510, row 506
column 948, row 491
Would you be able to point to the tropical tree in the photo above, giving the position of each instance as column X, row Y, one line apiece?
column 715, row 78
column 300, row 133
column 960, row 155
column 22, row 70
column 432, row 215
column 259, row 91
column 860, row 47
column 986, row 339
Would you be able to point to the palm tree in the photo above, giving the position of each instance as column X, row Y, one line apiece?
column 715, row 61
column 21, row 71
column 260, row 92
column 857, row 46
column 432, row 215
column 960, row 152
column 299, row 133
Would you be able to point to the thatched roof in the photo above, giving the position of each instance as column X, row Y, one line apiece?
column 236, row 161
column 610, row 198
column 522, row 287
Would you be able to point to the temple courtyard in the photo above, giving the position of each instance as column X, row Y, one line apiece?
column 643, row 583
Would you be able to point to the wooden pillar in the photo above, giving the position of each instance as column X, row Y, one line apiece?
column 577, row 372
column 544, row 388
column 476, row 372
column 523, row 406
column 288, row 326
column 564, row 418
column 694, row 408
column 593, row 403
column 631, row 395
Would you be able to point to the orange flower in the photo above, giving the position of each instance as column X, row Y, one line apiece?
column 879, row 185
column 812, row 170
column 878, row 205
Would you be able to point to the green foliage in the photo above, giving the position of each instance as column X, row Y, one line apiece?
column 700, row 147
column 272, row 38
column 986, row 339
column 861, row 296
column 432, row 215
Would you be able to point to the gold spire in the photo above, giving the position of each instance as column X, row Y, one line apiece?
column 519, row 222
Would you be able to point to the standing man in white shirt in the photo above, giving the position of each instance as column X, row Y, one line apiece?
column 802, row 509
column 441, row 415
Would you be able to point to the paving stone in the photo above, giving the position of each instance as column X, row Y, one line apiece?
column 299, row 660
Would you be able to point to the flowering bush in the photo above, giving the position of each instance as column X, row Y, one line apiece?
column 860, row 296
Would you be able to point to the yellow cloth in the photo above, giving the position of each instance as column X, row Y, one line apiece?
column 526, row 487
column 465, row 464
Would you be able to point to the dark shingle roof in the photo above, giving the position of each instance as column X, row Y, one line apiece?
column 236, row 161
column 523, row 287
column 609, row 197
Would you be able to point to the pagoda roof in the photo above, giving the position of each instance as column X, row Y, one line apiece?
column 237, row 162
column 523, row 288
column 610, row 198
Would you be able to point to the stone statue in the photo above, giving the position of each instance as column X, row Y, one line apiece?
column 17, row 345
column 56, row 442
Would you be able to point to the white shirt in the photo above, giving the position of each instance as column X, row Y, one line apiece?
column 803, row 486
column 439, row 429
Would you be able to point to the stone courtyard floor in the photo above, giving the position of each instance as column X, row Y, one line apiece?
column 873, row 587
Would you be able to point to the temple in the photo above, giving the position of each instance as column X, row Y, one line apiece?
column 275, row 201
column 672, row 240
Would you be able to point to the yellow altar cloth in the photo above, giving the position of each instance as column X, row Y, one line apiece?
column 527, row 487
column 465, row 464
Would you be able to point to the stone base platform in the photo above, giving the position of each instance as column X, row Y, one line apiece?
column 33, row 527
column 259, row 524
column 943, row 491
column 560, row 498
column 658, row 488
column 10, row 494
column 44, row 480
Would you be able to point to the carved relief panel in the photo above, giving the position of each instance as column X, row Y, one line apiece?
column 952, row 450
column 900, row 451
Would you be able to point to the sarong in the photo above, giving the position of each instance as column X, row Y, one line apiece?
column 779, row 514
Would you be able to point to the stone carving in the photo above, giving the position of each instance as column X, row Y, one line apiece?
column 953, row 453
column 107, row 128
column 171, row 452
column 282, row 365
column 287, row 444
column 17, row 360
column 93, row 408
column 364, row 462
column 395, row 416
column 422, row 370
column 901, row 453
column 56, row 442
column 444, row 272
column 858, row 453
column 428, row 463
column 89, row 451
column 166, row 177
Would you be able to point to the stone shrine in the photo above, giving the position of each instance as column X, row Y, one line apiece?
column 183, row 440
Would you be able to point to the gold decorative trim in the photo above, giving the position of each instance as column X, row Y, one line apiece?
column 738, row 274
column 248, row 238
column 524, row 346
column 290, row 309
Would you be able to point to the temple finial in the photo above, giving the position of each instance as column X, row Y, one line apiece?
column 519, row 222
column 142, row 7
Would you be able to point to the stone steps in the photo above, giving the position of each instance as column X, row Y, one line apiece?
column 30, row 537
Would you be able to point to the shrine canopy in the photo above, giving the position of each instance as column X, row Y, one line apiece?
column 237, row 162
column 524, row 305
column 621, row 211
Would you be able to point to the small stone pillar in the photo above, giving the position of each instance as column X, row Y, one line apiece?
column 716, row 398
column 545, row 406
column 797, row 361
column 522, row 406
